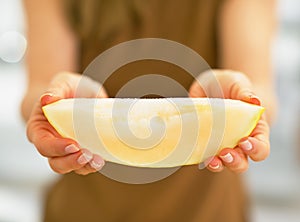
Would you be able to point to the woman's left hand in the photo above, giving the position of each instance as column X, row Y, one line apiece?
column 229, row 84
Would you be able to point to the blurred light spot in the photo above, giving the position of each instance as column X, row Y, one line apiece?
column 12, row 46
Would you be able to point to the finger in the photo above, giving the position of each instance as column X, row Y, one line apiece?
column 234, row 159
column 46, row 139
column 215, row 164
column 226, row 84
column 48, row 98
column 257, row 146
column 196, row 90
column 97, row 162
column 85, row 170
column 70, row 162
column 239, row 87
column 50, row 146
column 94, row 165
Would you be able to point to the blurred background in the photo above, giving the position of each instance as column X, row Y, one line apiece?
column 24, row 175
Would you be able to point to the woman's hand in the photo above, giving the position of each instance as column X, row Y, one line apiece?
column 234, row 85
column 64, row 155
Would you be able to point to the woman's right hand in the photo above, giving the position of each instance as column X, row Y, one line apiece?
column 64, row 155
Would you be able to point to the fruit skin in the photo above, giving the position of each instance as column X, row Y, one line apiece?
column 154, row 132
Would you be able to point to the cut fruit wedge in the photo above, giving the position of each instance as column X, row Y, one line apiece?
column 166, row 132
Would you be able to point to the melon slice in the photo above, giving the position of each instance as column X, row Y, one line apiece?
column 161, row 133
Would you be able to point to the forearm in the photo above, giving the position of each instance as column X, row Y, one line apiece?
column 246, row 31
column 52, row 47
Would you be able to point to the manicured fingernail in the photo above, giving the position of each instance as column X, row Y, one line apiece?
column 228, row 158
column 202, row 166
column 97, row 164
column 214, row 167
column 71, row 149
column 255, row 100
column 205, row 163
column 246, row 145
column 46, row 97
column 85, row 157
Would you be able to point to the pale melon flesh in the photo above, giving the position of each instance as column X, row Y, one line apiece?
column 165, row 132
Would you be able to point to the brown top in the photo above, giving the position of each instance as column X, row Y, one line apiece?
column 187, row 195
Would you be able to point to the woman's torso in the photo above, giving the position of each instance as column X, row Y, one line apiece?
column 187, row 195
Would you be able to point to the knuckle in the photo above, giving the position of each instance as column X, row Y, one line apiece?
column 76, row 166
column 263, row 127
column 38, row 140
column 41, row 150
column 260, row 154
column 260, row 157
column 85, row 170
column 240, row 167
column 239, row 76
column 59, row 76
column 235, row 165
column 40, row 146
column 56, row 168
column 82, row 172
column 236, row 76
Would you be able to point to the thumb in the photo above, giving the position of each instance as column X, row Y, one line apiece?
column 236, row 85
column 196, row 90
column 70, row 85
column 62, row 86
column 102, row 93
column 48, row 98
column 242, row 90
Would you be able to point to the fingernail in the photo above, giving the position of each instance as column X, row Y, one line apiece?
column 215, row 167
column 246, row 145
column 202, row 166
column 228, row 158
column 45, row 98
column 71, row 149
column 255, row 100
column 97, row 164
column 205, row 163
column 85, row 157
column 45, row 95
